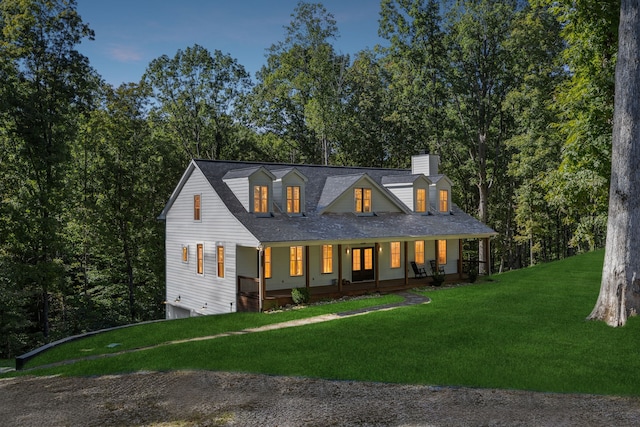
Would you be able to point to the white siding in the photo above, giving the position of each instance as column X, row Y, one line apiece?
column 404, row 193
column 280, row 278
column 426, row 164
column 384, row 262
column 240, row 187
column 217, row 227
column 316, row 276
column 280, row 195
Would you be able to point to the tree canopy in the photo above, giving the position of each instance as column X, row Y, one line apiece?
column 516, row 97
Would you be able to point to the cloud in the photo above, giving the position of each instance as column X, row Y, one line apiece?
column 125, row 53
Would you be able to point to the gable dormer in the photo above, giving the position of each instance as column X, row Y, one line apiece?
column 253, row 187
column 289, row 191
column 440, row 187
column 440, row 194
column 358, row 194
column 412, row 190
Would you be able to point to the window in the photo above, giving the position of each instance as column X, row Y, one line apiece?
column 368, row 258
column 442, row 252
column 395, row 254
column 327, row 258
column 421, row 200
column 185, row 253
column 419, row 252
column 363, row 199
column 267, row 262
column 356, row 261
column 260, row 198
column 200, row 256
column 444, row 200
column 295, row 261
column 220, row 256
column 196, row 207
column 293, row 199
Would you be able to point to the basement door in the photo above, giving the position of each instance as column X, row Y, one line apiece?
column 362, row 265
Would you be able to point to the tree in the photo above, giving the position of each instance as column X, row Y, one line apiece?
column 416, row 63
column 46, row 87
column 535, row 145
column 196, row 95
column 481, row 75
column 299, row 93
column 364, row 137
column 584, row 107
column 619, row 296
column 131, row 175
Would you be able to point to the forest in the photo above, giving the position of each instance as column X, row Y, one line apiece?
column 516, row 97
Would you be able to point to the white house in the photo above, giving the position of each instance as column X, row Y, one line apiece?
column 241, row 235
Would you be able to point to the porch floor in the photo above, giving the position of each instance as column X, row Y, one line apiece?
column 281, row 297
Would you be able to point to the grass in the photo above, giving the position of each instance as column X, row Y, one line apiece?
column 524, row 330
column 161, row 332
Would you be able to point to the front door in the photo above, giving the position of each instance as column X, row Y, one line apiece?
column 362, row 265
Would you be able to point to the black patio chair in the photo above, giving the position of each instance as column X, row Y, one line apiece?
column 434, row 268
column 418, row 271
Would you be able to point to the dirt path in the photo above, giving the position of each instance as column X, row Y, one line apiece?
column 202, row 398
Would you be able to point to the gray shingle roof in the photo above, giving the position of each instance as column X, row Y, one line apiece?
column 324, row 184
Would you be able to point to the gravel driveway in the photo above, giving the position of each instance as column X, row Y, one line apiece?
column 203, row 398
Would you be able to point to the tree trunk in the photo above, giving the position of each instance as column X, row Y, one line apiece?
column 483, row 198
column 620, row 287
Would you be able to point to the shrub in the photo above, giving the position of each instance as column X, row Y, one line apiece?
column 300, row 295
column 438, row 278
column 472, row 273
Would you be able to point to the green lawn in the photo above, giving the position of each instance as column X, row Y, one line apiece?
column 524, row 330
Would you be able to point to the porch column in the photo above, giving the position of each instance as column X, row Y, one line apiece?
column 261, row 280
column 406, row 262
column 339, row 268
column 437, row 264
column 487, row 255
column 306, row 267
column 460, row 253
column 376, row 259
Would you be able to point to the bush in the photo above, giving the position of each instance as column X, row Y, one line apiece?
column 438, row 278
column 472, row 274
column 300, row 295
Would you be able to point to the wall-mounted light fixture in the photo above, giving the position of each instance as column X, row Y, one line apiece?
column 177, row 299
column 347, row 250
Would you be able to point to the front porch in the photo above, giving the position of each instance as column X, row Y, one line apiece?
column 249, row 301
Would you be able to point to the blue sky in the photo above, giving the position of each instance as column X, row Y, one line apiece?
column 131, row 33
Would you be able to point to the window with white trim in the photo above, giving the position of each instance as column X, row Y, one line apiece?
column 327, row 258
column 220, row 260
column 362, row 200
column 395, row 254
column 295, row 261
column 200, row 258
column 419, row 252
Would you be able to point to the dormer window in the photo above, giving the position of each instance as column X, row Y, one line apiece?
column 444, row 200
column 293, row 199
column 421, row 200
column 260, row 199
column 196, row 207
column 362, row 200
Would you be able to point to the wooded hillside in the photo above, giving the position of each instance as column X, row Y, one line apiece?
column 516, row 97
